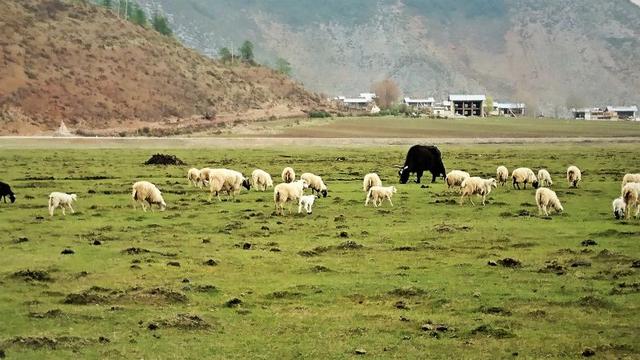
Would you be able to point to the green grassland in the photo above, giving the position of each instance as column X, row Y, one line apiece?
column 409, row 282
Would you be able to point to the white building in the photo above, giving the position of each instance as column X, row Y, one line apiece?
column 419, row 103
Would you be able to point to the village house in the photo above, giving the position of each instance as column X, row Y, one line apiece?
column 624, row 112
column 364, row 102
column 606, row 113
column 442, row 109
column 509, row 109
column 468, row 105
column 419, row 103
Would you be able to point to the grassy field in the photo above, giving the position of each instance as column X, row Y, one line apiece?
column 231, row 280
column 400, row 127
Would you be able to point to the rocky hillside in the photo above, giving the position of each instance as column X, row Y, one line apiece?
column 548, row 53
column 74, row 61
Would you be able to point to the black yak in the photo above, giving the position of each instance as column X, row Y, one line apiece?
column 419, row 159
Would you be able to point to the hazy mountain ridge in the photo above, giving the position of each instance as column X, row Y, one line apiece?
column 548, row 53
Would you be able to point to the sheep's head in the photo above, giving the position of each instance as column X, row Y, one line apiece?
column 494, row 183
column 619, row 214
column 324, row 193
column 394, row 190
column 558, row 206
column 246, row 183
column 535, row 184
column 163, row 206
column 74, row 197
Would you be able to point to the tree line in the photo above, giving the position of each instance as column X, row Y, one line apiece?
column 132, row 11
column 245, row 55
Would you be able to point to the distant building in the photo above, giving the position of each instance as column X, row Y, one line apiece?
column 509, row 109
column 468, row 105
column 363, row 102
column 419, row 103
column 442, row 109
column 607, row 113
column 624, row 112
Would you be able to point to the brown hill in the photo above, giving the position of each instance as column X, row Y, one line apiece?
column 81, row 63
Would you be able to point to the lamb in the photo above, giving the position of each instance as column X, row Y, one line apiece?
column 261, row 180
column 288, row 175
column 193, row 176
column 502, row 175
column 306, row 201
column 61, row 200
column 630, row 178
column 547, row 198
column 544, row 178
column 631, row 196
column 574, row 176
column 619, row 208
column 5, row 190
column 371, row 179
column 315, row 183
column 478, row 186
column 146, row 191
column 455, row 178
column 377, row 194
column 524, row 176
column 287, row 192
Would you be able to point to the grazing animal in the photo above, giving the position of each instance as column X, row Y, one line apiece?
column 524, row 176
column 61, row 200
column 315, row 183
column 419, row 159
column 547, row 198
column 574, row 176
column 288, row 192
column 630, row 178
column 502, row 175
column 144, row 191
column 544, row 178
column 306, row 202
column 377, row 194
column 619, row 208
column 371, row 179
column 225, row 180
column 193, row 176
column 288, row 175
column 5, row 190
column 261, row 180
column 631, row 197
column 477, row 186
column 455, row 178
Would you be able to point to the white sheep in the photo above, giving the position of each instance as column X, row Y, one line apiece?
column 544, row 178
column 619, row 208
column 371, row 179
column 288, row 192
column 235, row 181
column 146, row 191
column 61, row 200
column 631, row 197
column 455, row 178
column 377, row 194
column 524, row 176
column 630, row 178
column 261, row 180
column 502, row 175
column 306, row 201
column 193, row 176
column 573, row 176
column 477, row 186
column 547, row 198
column 315, row 183
column 225, row 180
column 288, row 175
column 204, row 176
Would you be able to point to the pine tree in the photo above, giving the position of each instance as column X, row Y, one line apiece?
column 161, row 24
column 225, row 55
column 283, row 66
column 138, row 16
column 246, row 52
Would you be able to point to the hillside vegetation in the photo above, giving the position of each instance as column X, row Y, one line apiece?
column 81, row 63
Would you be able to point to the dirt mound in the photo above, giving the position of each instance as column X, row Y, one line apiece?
column 33, row 275
column 184, row 322
column 164, row 159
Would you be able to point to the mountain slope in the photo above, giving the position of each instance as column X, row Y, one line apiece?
column 80, row 63
column 546, row 52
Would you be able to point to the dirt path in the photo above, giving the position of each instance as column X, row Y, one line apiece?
column 239, row 142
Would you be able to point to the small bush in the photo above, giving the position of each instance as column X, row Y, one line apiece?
column 319, row 114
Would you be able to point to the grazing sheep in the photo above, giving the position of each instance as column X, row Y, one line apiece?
column 455, row 178
column 146, row 191
column 573, row 176
column 216, row 180
column 315, row 183
column 377, row 194
column 502, row 175
column 61, row 200
column 261, row 180
column 631, row 196
column 477, row 186
column 544, row 178
column 547, row 198
column 193, row 176
column 288, row 175
column 619, row 208
column 288, row 192
column 371, row 179
column 306, row 201
column 524, row 176
column 225, row 180
column 630, row 178
column 235, row 181
column 5, row 190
